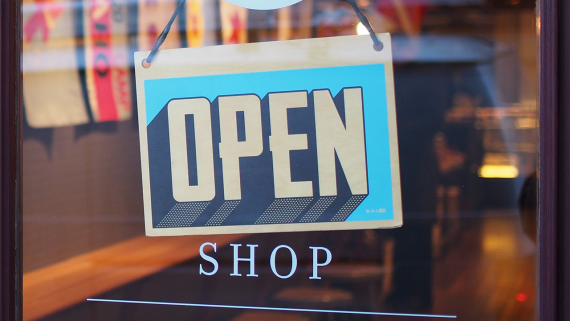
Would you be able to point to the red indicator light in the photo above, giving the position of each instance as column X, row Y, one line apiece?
column 521, row 297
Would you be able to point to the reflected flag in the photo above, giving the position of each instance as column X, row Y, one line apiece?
column 234, row 23
column 195, row 25
column 153, row 16
column 201, row 23
column 51, row 83
column 45, row 14
column 106, row 59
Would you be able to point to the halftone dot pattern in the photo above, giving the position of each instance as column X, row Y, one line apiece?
column 224, row 211
column 348, row 208
column 183, row 214
column 318, row 209
column 284, row 210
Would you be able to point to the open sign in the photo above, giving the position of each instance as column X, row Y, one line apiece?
column 259, row 147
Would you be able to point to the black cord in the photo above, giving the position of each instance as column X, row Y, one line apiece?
column 146, row 63
column 377, row 43
column 163, row 35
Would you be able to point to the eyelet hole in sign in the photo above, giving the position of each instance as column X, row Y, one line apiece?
column 145, row 64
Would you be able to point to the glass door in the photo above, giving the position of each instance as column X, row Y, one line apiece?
column 465, row 90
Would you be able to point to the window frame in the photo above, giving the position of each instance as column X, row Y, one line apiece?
column 554, row 161
column 10, row 161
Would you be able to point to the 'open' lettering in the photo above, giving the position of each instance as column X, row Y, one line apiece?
column 339, row 136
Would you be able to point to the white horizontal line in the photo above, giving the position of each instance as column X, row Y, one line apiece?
column 275, row 309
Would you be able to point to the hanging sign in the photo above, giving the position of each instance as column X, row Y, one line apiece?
column 151, row 18
column 53, row 95
column 106, row 59
column 234, row 23
column 269, row 137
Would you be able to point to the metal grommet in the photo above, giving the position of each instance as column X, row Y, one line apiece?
column 378, row 47
column 145, row 64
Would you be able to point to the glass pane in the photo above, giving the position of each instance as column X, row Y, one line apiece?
column 465, row 77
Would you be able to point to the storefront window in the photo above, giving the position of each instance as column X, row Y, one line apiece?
column 466, row 87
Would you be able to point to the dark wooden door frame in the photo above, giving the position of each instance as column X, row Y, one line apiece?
column 10, row 161
column 563, row 230
column 554, row 161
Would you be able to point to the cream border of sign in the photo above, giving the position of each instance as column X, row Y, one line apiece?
column 259, row 57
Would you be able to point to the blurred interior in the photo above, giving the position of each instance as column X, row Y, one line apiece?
column 466, row 90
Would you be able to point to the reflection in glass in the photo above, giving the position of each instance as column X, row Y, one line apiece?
column 466, row 89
